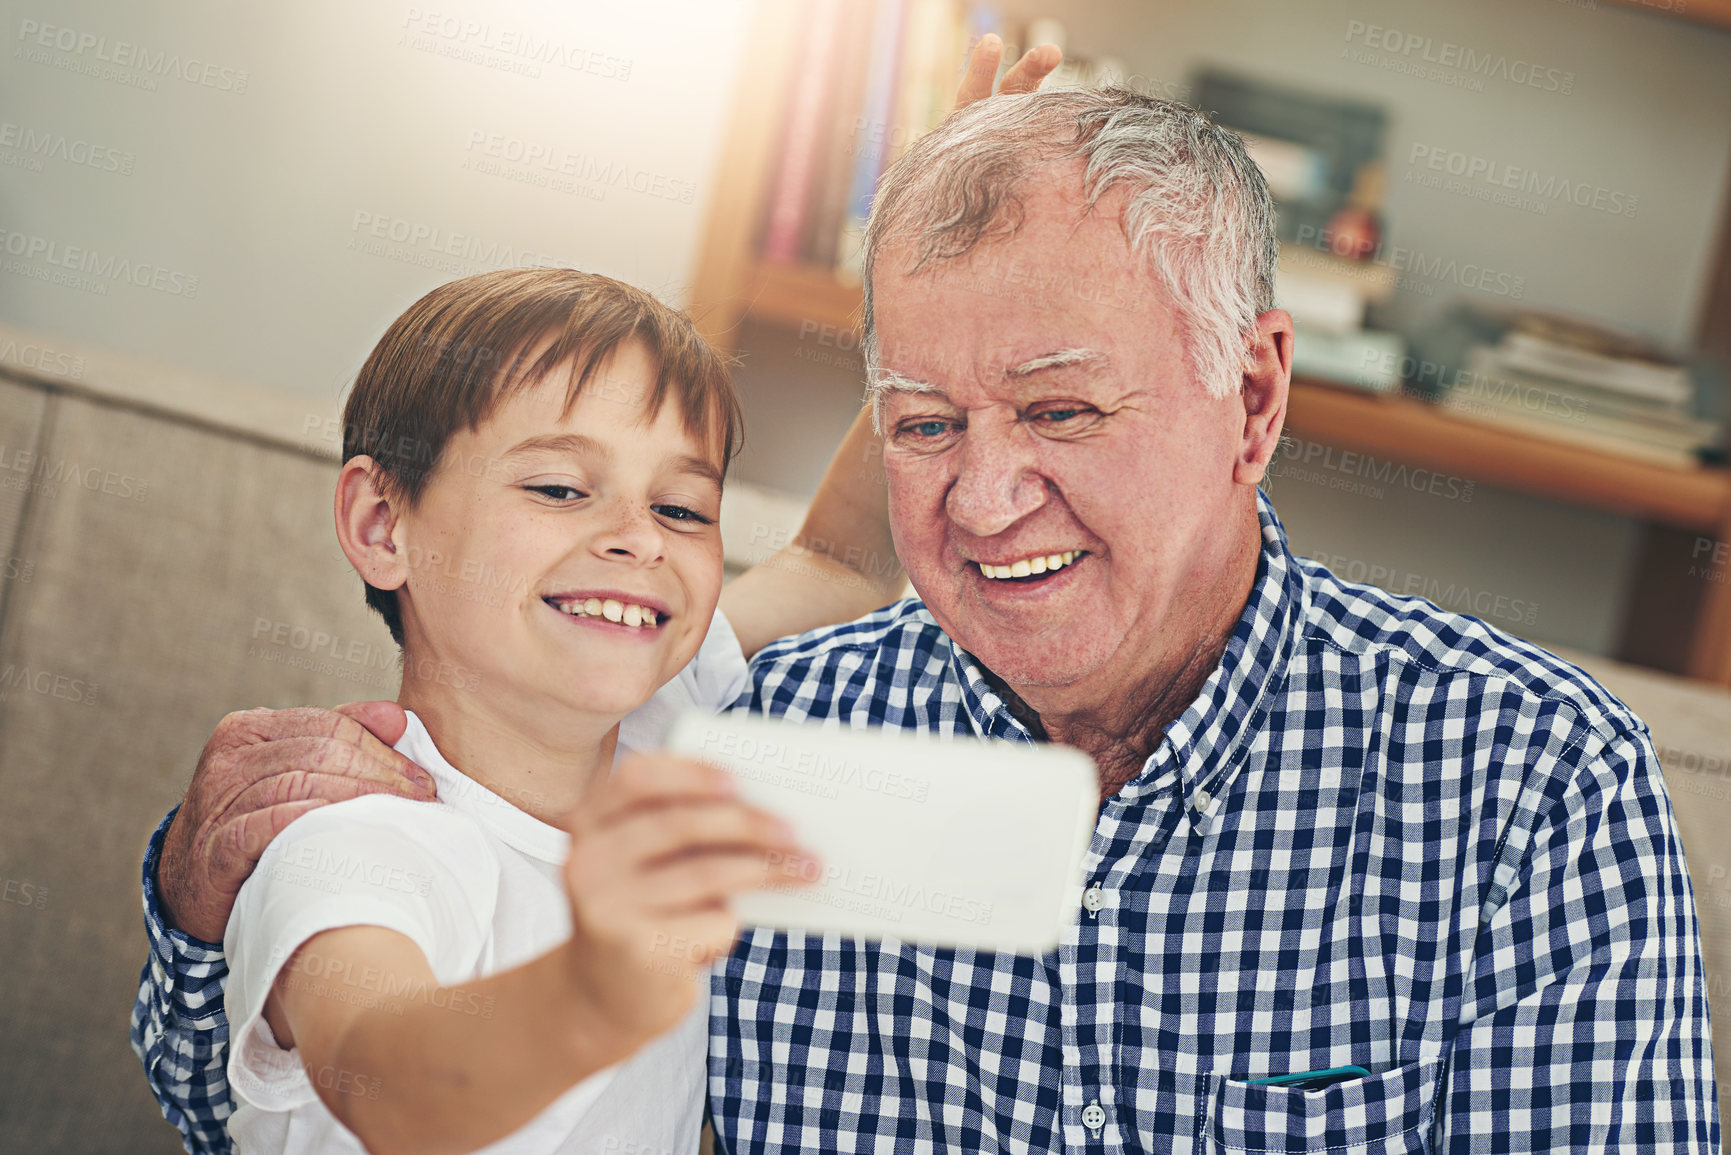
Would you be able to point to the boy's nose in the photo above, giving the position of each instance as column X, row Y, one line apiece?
column 631, row 533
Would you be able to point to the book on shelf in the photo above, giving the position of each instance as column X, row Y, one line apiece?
column 834, row 188
column 807, row 104
column 1635, row 376
column 871, row 77
column 870, row 140
column 1617, row 403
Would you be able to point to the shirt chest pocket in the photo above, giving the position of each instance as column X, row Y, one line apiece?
column 1381, row 1115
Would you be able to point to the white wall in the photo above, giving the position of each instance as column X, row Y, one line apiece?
column 347, row 109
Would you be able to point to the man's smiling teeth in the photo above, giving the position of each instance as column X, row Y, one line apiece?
column 624, row 613
column 1029, row 566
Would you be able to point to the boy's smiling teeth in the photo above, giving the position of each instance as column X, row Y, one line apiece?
column 625, row 613
column 1029, row 566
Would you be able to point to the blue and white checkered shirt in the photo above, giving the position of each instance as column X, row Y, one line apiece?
column 1383, row 835
column 179, row 1030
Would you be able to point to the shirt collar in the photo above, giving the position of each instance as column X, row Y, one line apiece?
column 1208, row 741
column 503, row 819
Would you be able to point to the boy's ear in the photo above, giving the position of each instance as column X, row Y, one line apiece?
column 367, row 526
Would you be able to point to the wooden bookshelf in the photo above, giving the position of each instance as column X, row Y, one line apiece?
column 1423, row 435
column 1679, row 506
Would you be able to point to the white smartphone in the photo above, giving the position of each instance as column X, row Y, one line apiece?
column 931, row 840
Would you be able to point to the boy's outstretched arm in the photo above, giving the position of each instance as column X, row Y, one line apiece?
column 656, row 854
column 841, row 565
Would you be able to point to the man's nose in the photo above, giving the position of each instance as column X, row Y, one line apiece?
column 630, row 533
column 997, row 480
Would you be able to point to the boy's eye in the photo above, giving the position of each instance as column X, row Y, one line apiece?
column 681, row 513
column 557, row 492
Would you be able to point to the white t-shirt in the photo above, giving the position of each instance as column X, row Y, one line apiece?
column 478, row 885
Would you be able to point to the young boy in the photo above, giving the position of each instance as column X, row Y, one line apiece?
column 518, row 964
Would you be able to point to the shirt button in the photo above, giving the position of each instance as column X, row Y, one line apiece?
column 1203, row 801
column 1093, row 898
column 1093, row 1117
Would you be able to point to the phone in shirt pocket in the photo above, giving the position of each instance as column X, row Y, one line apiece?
column 1386, row 1114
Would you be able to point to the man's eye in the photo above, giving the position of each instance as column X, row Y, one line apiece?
column 681, row 513
column 557, row 492
column 1065, row 420
column 933, row 427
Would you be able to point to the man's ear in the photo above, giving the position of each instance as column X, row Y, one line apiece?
column 367, row 526
column 1267, row 377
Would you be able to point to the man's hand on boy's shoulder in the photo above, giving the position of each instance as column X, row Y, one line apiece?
column 260, row 771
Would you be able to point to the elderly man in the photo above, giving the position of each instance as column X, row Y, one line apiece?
column 1337, row 827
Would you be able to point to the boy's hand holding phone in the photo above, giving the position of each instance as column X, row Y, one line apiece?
column 658, row 850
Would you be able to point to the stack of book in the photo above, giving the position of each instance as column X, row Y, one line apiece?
column 1572, row 382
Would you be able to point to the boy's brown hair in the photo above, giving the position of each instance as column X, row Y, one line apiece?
column 447, row 363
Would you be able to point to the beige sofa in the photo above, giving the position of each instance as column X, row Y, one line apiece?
column 158, row 571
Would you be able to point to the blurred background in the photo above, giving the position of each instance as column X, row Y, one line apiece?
column 1504, row 238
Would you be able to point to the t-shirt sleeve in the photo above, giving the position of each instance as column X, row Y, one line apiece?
column 712, row 680
column 417, row 868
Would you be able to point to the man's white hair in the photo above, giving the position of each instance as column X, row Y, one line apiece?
column 1198, row 208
